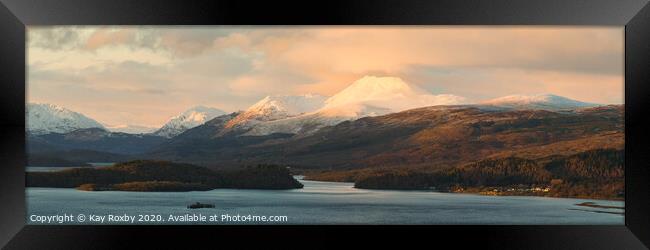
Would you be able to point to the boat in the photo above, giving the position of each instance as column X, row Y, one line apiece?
column 200, row 205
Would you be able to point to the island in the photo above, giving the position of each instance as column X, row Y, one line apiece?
column 164, row 176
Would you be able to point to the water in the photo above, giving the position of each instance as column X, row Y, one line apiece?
column 323, row 203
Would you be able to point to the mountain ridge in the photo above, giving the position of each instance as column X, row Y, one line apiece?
column 367, row 96
column 438, row 135
column 43, row 118
column 278, row 107
column 189, row 118
column 539, row 101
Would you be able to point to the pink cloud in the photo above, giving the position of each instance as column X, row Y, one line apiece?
column 103, row 37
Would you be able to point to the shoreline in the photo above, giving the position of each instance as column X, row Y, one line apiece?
column 586, row 204
column 482, row 193
column 545, row 196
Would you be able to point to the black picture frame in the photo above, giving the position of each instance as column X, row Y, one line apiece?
column 633, row 14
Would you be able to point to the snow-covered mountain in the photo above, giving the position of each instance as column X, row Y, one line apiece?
column 540, row 102
column 190, row 118
column 45, row 118
column 131, row 129
column 273, row 108
column 372, row 96
column 368, row 96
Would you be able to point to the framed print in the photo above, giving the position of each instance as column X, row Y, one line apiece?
column 504, row 121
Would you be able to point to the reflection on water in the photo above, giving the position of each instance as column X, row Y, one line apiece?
column 330, row 203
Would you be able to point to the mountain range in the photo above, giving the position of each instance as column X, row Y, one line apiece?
column 436, row 136
column 49, row 118
column 374, row 122
column 368, row 96
column 301, row 114
column 95, row 139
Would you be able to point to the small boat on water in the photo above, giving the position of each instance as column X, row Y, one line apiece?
column 200, row 205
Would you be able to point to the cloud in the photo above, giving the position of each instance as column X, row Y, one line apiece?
column 103, row 38
column 144, row 74
column 190, row 41
column 391, row 50
column 57, row 38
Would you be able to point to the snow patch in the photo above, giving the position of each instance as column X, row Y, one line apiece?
column 371, row 96
column 43, row 118
column 541, row 102
column 273, row 108
column 188, row 119
column 368, row 96
column 131, row 129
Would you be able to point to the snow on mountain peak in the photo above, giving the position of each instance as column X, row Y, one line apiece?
column 198, row 115
column 373, row 95
column 368, row 96
column 540, row 101
column 290, row 105
column 371, row 88
column 45, row 118
column 131, row 129
column 190, row 118
column 277, row 107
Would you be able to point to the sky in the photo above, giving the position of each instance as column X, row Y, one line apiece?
column 143, row 75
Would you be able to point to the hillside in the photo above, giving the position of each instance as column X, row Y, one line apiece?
column 42, row 118
column 431, row 137
column 595, row 173
column 94, row 139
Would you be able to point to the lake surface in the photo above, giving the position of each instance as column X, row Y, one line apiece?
column 318, row 203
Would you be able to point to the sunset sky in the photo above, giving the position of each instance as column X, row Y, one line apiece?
column 143, row 75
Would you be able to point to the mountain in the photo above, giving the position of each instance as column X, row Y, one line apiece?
column 429, row 137
column 94, row 139
column 372, row 96
column 71, row 158
column 368, row 96
column 273, row 108
column 48, row 118
column 131, row 129
column 190, row 118
column 442, row 136
column 537, row 102
column 210, row 139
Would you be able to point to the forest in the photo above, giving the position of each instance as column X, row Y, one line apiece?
column 592, row 174
column 147, row 175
